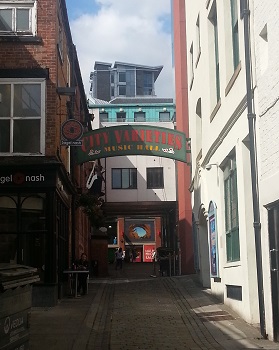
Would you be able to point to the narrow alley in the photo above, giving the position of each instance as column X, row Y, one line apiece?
column 132, row 310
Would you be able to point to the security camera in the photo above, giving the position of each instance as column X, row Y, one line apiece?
column 208, row 167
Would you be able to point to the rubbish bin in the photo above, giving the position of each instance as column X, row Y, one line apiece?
column 15, row 305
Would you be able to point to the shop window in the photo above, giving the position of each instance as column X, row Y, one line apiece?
column 155, row 177
column 125, row 178
column 22, row 117
column 18, row 18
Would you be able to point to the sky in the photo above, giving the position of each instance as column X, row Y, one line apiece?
column 131, row 31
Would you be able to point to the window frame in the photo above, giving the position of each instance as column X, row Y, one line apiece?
column 231, row 211
column 151, row 173
column 21, row 5
column 132, row 179
column 213, row 18
column 235, row 33
column 11, row 118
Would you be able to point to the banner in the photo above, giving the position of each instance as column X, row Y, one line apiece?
column 132, row 140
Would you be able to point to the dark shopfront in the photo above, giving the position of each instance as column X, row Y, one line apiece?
column 34, row 224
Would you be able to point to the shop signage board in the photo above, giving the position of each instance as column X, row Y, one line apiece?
column 132, row 140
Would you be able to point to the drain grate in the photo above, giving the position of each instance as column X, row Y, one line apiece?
column 214, row 316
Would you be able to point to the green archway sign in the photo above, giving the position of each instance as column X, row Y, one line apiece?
column 132, row 140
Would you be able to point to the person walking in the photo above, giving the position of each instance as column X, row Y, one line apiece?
column 82, row 265
column 118, row 258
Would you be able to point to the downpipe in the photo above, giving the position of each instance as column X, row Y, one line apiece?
column 245, row 15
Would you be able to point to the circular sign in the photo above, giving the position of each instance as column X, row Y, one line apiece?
column 71, row 130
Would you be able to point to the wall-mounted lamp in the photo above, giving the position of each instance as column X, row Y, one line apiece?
column 102, row 110
column 120, row 109
column 140, row 109
column 164, row 109
column 209, row 166
column 66, row 91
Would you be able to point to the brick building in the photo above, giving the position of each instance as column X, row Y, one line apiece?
column 40, row 89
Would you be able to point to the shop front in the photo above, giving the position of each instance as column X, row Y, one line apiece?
column 34, row 223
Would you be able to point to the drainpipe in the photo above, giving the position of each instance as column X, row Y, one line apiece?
column 245, row 14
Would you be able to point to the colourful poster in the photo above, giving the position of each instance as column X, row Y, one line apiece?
column 213, row 246
column 148, row 249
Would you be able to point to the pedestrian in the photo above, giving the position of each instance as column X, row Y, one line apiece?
column 82, row 265
column 154, row 261
column 118, row 258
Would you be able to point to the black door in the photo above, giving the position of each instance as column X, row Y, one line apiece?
column 273, row 224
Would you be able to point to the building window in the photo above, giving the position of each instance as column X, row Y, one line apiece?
column 147, row 83
column 104, row 117
column 60, row 40
column 235, row 34
column 164, row 116
column 22, row 117
column 191, row 73
column 122, row 90
column 17, row 18
column 231, row 211
column 139, row 117
column 155, row 177
column 121, row 116
column 198, row 40
column 124, row 178
column 122, row 77
column 213, row 21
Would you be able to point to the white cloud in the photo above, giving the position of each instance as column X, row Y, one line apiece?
column 128, row 31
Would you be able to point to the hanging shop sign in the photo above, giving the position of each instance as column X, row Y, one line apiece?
column 213, row 240
column 132, row 140
column 71, row 133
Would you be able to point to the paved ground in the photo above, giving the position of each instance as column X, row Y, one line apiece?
column 132, row 310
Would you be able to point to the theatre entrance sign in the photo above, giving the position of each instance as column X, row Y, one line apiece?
column 133, row 140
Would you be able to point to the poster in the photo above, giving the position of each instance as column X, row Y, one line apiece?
column 213, row 242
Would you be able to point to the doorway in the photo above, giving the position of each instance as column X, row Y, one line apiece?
column 273, row 227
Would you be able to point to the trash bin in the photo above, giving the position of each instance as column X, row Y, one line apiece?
column 15, row 305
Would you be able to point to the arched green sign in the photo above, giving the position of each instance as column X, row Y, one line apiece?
column 132, row 140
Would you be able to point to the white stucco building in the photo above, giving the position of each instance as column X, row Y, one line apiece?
column 222, row 195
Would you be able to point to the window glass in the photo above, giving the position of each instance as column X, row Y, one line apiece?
column 22, row 19
column 139, row 116
column 4, row 135
column 103, row 116
column 231, row 211
column 26, row 136
column 6, row 20
column 155, row 177
column 27, row 101
column 122, row 90
column 5, row 100
column 124, row 178
column 164, row 116
column 121, row 116
column 122, row 77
